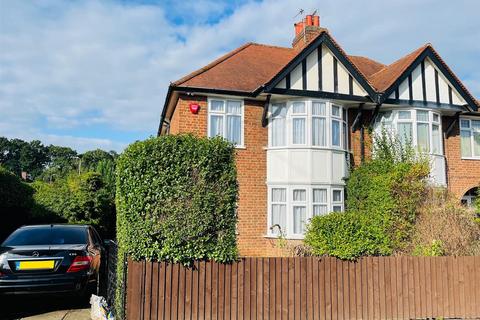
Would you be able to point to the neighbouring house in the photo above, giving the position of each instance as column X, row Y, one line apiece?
column 298, row 117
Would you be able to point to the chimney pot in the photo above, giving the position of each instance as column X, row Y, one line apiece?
column 309, row 20
column 316, row 21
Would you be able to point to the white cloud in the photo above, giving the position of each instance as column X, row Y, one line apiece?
column 80, row 64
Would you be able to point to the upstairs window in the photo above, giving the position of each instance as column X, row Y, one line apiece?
column 421, row 128
column 308, row 124
column 225, row 119
column 470, row 138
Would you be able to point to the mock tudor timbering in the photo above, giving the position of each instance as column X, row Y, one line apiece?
column 298, row 117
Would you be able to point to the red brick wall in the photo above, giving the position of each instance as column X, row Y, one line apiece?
column 251, row 171
column 462, row 175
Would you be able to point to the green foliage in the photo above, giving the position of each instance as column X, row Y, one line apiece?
column 91, row 159
column 62, row 161
column 176, row 199
column 435, row 249
column 83, row 199
column 17, row 155
column 15, row 202
column 382, row 197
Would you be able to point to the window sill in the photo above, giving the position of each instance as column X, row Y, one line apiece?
column 305, row 147
column 471, row 158
column 241, row 147
column 287, row 237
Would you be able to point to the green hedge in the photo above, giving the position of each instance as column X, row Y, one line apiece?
column 15, row 202
column 383, row 195
column 176, row 200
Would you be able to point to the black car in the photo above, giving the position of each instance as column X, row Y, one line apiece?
column 50, row 258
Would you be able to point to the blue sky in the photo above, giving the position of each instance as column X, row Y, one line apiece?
column 93, row 74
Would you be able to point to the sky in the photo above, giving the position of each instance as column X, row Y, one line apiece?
column 94, row 74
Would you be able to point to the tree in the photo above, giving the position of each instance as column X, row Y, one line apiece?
column 62, row 160
column 90, row 159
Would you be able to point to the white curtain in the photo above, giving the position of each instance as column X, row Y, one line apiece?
column 234, row 129
column 466, row 143
column 422, row 116
column 234, row 107
column 278, row 132
column 320, row 195
column 298, row 107
column 336, row 133
column 216, row 105
column 405, row 132
column 279, row 217
column 319, row 109
column 299, row 195
column 279, row 195
column 337, row 195
column 298, row 130
column 216, row 125
column 299, row 216
column 437, row 142
column 476, row 137
column 319, row 132
column 423, row 140
column 319, row 209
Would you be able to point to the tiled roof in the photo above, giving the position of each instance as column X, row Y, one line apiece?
column 384, row 78
column 366, row 65
column 244, row 69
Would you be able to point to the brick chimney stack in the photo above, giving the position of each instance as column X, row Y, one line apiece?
column 306, row 30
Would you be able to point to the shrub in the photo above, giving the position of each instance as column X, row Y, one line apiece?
column 382, row 197
column 82, row 199
column 15, row 202
column 176, row 199
column 444, row 223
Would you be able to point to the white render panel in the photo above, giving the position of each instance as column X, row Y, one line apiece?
column 437, row 173
column 443, row 88
column 456, row 98
column 358, row 90
column 312, row 71
column 327, row 70
column 277, row 168
column 342, row 74
column 392, row 96
column 338, row 165
column 296, row 78
column 430, row 81
column 282, row 84
column 321, row 166
column 403, row 90
column 417, row 86
column 299, row 166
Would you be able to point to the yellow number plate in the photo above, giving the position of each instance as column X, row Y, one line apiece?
column 35, row 265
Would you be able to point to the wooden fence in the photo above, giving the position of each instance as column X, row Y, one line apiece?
column 306, row 288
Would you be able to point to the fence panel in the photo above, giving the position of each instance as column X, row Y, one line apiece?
column 306, row 288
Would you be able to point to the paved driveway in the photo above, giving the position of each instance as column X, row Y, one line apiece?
column 45, row 307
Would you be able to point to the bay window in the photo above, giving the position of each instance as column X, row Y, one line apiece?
column 292, row 206
column 421, row 128
column 308, row 123
column 470, row 138
column 225, row 119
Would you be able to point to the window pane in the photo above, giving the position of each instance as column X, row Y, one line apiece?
column 299, row 131
column 464, row 123
column 405, row 132
column 404, row 115
column 299, row 216
column 345, row 137
column 216, row 125
column 216, row 105
column 318, row 109
column 279, row 110
column 476, row 125
column 476, row 144
column 337, row 208
column 320, row 210
column 336, row 111
column 344, row 115
column 466, row 143
column 436, row 143
column 385, row 116
column 279, row 218
column 422, row 115
column 319, row 132
column 234, row 129
column 336, row 133
column 279, row 195
column 299, row 195
column 298, row 107
column 320, row 195
column 436, row 117
column 278, row 132
column 234, row 107
column 337, row 196
column 423, row 136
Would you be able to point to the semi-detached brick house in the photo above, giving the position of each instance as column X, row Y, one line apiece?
column 297, row 116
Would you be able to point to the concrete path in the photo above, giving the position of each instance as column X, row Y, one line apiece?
column 79, row 314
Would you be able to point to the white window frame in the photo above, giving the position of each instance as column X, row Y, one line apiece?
column 289, row 233
column 316, row 203
column 338, row 203
column 224, row 114
column 472, row 137
column 308, row 115
column 394, row 120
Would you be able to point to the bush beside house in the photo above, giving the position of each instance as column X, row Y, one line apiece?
column 176, row 200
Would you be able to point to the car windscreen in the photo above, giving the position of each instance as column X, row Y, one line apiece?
column 47, row 236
